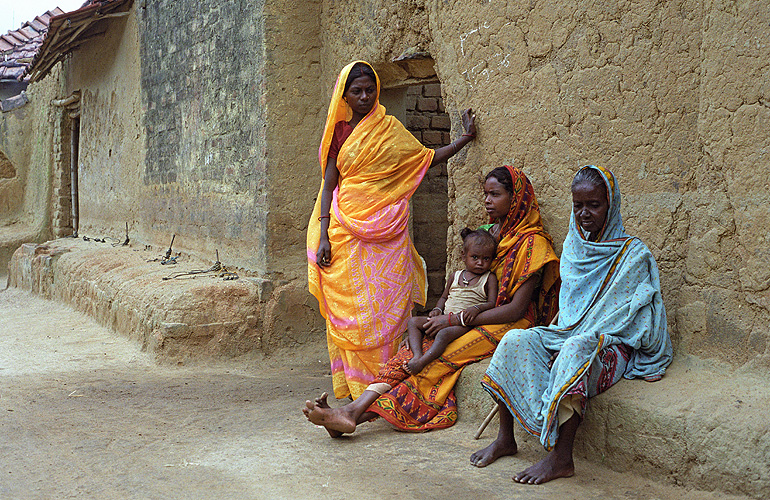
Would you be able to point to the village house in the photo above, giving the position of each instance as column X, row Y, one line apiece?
column 200, row 121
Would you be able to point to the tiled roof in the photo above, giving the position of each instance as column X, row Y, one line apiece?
column 68, row 31
column 18, row 47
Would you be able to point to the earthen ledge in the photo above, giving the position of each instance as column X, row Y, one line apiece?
column 180, row 317
column 703, row 425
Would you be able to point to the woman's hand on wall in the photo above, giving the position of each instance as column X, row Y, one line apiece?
column 469, row 122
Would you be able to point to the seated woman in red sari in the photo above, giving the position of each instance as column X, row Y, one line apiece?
column 526, row 267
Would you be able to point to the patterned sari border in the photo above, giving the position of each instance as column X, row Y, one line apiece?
column 497, row 392
column 552, row 409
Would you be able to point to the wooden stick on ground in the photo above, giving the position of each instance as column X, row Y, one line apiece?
column 486, row 421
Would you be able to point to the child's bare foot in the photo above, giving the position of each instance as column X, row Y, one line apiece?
column 495, row 450
column 549, row 468
column 415, row 365
column 337, row 421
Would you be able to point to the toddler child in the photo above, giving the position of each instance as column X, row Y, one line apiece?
column 469, row 292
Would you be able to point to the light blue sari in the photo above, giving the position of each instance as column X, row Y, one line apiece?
column 610, row 295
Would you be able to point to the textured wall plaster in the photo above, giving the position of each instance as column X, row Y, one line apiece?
column 205, row 174
column 671, row 96
column 111, row 144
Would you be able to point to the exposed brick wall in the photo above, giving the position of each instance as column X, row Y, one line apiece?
column 202, row 74
column 427, row 120
column 61, row 190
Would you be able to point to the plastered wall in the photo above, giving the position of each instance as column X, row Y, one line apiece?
column 672, row 96
column 295, row 115
column 29, row 139
column 111, row 138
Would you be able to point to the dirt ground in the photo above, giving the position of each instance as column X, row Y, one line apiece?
column 85, row 414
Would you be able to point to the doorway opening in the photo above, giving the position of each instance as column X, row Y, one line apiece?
column 411, row 91
column 65, row 182
column 427, row 120
column 420, row 107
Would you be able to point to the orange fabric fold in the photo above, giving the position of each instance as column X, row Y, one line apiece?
column 376, row 275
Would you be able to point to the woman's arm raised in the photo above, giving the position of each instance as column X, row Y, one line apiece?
column 445, row 152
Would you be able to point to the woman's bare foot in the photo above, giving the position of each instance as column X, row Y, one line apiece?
column 337, row 421
column 549, row 468
column 321, row 402
column 498, row 448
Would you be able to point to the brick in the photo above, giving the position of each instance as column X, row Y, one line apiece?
column 432, row 90
column 427, row 104
column 417, row 122
column 441, row 122
column 431, row 137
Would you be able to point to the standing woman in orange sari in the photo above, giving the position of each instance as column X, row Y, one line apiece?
column 527, row 270
column 362, row 265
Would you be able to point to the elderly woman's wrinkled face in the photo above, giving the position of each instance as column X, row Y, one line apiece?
column 497, row 199
column 361, row 95
column 590, row 206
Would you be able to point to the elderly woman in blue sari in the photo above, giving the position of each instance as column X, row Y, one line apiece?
column 611, row 324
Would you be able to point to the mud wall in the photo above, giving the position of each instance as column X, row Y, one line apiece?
column 672, row 96
column 204, row 176
column 111, row 137
column 29, row 138
column 295, row 114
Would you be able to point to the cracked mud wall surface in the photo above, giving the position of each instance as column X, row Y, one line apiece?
column 671, row 96
column 295, row 114
column 111, row 145
column 726, row 294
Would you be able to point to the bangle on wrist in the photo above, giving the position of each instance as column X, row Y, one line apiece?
column 324, row 217
column 469, row 135
column 437, row 309
column 462, row 321
column 454, row 147
column 450, row 318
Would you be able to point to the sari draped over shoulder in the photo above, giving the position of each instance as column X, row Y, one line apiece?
column 367, row 294
column 426, row 401
column 610, row 296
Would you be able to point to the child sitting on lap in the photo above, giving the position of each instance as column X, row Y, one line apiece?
column 469, row 292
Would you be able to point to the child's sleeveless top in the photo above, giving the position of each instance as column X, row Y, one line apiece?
column 463, row 297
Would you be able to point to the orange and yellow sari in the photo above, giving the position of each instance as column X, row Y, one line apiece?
column 376, row 275
column 426, row 401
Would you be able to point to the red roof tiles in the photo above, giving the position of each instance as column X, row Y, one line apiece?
column 18, row 47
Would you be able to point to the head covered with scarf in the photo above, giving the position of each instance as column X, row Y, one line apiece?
column 613, row 285
column 518, row 255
